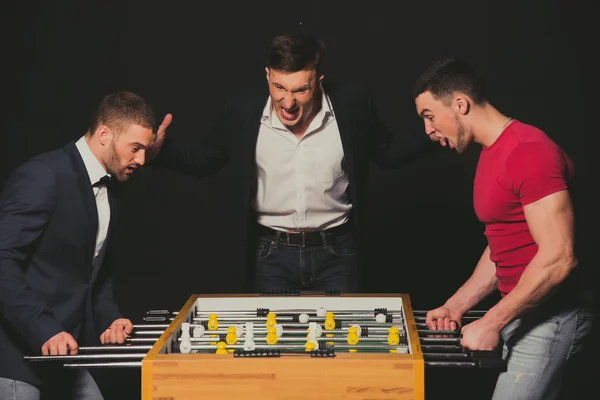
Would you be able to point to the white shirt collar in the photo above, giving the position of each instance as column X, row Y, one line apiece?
column 272, row 120
column 94, row 169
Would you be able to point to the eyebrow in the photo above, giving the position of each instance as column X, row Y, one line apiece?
column 306, row 86
column 301, row 88
column 138, row 144
column 424, row 111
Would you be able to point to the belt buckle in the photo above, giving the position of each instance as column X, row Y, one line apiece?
column 303, row 244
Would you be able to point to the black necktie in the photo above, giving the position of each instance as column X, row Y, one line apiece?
column 105, row 180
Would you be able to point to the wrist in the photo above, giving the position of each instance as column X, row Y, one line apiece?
column 456, row 307
column 494, row 320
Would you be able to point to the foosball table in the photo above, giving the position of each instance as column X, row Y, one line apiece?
column 285, row 346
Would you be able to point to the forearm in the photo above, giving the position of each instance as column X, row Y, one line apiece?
column 544, row 273
column 481, row 283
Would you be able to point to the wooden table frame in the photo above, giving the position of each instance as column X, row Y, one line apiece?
column 353, row 376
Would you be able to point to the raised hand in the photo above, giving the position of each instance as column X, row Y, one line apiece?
column 153, row 150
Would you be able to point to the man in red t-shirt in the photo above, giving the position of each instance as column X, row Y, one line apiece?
column 521, row 193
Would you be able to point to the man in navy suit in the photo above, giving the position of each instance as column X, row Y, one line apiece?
column 56, row 214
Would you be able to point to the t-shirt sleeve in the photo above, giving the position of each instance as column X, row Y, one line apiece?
column 535, row 170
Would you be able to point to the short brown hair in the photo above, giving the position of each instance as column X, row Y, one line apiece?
column 449, row 75
column 295, row 52
column 121, row 109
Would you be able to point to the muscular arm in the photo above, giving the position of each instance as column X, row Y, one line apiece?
column 479, row 285
column 550, row 222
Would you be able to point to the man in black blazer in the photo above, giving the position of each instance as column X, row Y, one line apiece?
column 56, row 214
column 302, row 150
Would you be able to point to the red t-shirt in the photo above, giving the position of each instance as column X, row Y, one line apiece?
column 523, row 165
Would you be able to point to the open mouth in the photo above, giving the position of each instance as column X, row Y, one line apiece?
column 290, row 114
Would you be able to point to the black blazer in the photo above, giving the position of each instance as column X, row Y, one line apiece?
column 364, row 138
column 48, row 283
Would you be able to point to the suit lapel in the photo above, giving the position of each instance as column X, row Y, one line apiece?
column 343, row 117
column 87, row 196
column 249, row 137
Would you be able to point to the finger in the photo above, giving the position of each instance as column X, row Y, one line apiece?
column 440, row 323
column 45, row 350
column 429, row 320
column 120, row 334
column 455, row 325
column 113, row 335
column 104, row 337
column 73, row 346
column 128, row 327
column 164, row 125
column 62, row 348
column 53, row 349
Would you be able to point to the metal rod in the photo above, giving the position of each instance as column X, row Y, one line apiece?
column 439, row 340
column 469, row 312
column 150, row 326
column 83, row 357
column 160, row 312
column 141, row 340
column 296, row 311
column 440, row 347
column 124, row 364
column 239, row 320
column 466, row 318
column 283, row 347
column 463, row 364
column 434, row 356
column 115, row 348
column 154, row 319
column 438, row 332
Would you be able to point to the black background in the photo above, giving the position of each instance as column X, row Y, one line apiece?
column 185, row 57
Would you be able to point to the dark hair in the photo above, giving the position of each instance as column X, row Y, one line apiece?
column 295, row 52
column 449, row 75
column 121, row 109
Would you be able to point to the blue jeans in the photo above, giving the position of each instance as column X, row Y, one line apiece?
column 75, row 384
column 331, row 266
column 542, row 351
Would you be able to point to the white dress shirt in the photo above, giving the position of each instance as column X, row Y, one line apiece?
column 301, row 182
column 95, row 172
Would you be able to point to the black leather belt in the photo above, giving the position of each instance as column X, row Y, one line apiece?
column 304, row 239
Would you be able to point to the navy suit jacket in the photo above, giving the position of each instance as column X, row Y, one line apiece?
column 364, row 136
column 48, row 280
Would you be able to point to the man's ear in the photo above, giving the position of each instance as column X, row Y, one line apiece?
column 267, row 71
column 104, row 134
column 461, row 104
